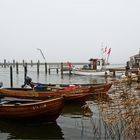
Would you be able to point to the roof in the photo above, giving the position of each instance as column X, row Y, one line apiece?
column 91, row 59
column 137, row 55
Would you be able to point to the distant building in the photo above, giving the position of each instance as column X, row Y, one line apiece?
column 135, row 61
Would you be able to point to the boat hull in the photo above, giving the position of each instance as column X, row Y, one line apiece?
column 78, row 93
column 100, row 88
column 48, row 110
column 77, row 98
column 90, row 73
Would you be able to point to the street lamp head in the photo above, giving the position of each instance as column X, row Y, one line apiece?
column 42, row 54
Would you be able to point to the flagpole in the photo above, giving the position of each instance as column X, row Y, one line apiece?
column 105, row 54
column 102, row 55
column 102, row 51
column 108, row 54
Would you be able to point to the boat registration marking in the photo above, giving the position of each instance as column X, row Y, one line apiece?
column 39, row 106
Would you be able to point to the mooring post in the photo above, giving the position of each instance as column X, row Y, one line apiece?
column 61, row 68
column 70, row 68
column 11, row 76
column 17, row 67
column 57, row 70
column 13, row 63
column 38, row 67
column 4, row 63
column 127, row 68
column 31, row 63
column 25, row 71
column 23, row 63
column 49, row 70
column 114, row 73
column 45, row 68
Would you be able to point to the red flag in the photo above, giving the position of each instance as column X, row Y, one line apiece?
column 70, row 65
column 109, row 51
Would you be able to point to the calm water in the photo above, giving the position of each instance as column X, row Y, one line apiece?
column 70, row 125
column 18, row 79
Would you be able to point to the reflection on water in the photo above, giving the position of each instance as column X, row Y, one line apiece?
column 75, row 125
column 115, row 116
column 72, row 111
column 54, row 78
column 13, row 130
column 70, row 125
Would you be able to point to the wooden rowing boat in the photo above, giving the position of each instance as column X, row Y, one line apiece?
column 29, row 110
column 92, row 88
column 100, row 88
column 71, row 93
column 82, row 88
column 77, row 98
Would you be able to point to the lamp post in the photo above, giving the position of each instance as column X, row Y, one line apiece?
column 42, row 54
column 44, row 59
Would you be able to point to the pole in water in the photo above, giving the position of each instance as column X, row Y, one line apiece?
column 11, row 76
column 25, row 71
column 45, row 61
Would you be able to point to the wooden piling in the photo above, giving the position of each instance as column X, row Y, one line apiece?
column 114, row 73
column 45, row 68
column 57, row 70
column 14, row 63
column 25, row 71
column 17, row 67
column 4, row 63
column 38, row 63
column 23, row 63
column 31, row 63
column 11, row 76
column 49, row 70
column 61, row 68
column 127, row 68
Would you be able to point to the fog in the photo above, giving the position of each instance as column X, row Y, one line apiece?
column 69, row 30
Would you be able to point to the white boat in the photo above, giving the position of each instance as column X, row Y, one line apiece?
column 96, row 67
column 91, row 72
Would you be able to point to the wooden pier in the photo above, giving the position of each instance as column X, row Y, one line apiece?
column 114, row 70
column 48, row 67
column 62, row 67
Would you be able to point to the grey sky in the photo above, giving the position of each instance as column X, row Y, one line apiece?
column 69, row 30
